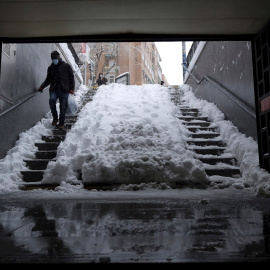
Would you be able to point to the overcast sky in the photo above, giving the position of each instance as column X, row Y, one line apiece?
column 171, row 56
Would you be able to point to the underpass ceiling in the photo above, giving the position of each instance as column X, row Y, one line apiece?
column 76, row 18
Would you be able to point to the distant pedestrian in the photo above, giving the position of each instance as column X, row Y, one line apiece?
column 101, row 79
column 60, row 77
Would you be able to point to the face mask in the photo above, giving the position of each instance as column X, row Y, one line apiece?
column 55, row 61
column 100, row 76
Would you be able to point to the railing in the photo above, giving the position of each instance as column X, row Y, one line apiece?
column 197, row 81
column 24, row 100
column 6, row 99
column 20, row 103
column 32, row 95
column 235, row 99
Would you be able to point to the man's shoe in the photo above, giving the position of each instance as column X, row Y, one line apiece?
column 61, row 127
column 54, row 122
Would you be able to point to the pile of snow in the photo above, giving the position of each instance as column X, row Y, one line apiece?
column 126, row 135
column 131, row 135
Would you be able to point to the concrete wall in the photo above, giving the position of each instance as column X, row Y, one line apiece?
column 229, row 65
column 32, row 61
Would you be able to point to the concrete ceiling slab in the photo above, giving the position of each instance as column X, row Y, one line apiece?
column 57, row 18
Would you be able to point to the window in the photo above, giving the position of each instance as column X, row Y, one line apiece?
column 111, row 80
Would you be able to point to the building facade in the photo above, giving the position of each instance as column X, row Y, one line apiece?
column 140, row 59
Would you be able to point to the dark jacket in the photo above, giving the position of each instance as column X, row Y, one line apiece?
column 101, row 81
column 59, row 76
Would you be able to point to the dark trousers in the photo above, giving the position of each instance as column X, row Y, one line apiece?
column 63, row 102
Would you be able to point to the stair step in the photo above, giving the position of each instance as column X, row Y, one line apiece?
column 37, row 164
column 195, row 129
column 205, row 135
column 37, row 185
column 70, row 121
column 201, row 124
column 32, row 176
column 68, row 126
column 228, row 172
column 57, row 131
column 189, row 110
column 209, row 151
column 206, row 143
column 193, row 114
column 46, row 154
column 47, row 146
column 71, row 117
column 213, row 161
column 190, row 118
column 53, row 138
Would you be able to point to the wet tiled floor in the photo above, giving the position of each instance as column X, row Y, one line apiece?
column 145, row 230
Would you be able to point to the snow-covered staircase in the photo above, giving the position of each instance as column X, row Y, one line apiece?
column 47, row 151
column 205, row 141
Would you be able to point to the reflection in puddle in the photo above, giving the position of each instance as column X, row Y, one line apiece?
column 134, row 232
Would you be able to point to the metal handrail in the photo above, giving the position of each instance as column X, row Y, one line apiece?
column 250, row 111
column 20, row 103
column 197, row 81
column 6, row 99
column 32, row 95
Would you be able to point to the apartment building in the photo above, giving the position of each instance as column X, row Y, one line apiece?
column 140, row 59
